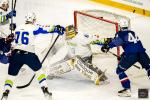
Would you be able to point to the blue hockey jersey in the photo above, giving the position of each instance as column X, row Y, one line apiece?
column 4, row 47
column 128, row 40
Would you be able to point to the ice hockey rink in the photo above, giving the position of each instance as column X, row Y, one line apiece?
column 72, row 85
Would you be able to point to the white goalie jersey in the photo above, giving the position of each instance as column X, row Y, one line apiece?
column 71, row 56
column 81, row 43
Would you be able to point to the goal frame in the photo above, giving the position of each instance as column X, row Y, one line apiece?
column 98, row 18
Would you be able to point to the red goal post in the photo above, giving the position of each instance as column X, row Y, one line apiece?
column 98, row 21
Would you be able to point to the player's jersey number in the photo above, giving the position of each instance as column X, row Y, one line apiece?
column 23, row 36
column 133, row 38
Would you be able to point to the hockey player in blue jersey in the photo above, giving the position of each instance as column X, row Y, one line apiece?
column 5, row 38
column 133, row 52
column 24, row 53
column 5, row 46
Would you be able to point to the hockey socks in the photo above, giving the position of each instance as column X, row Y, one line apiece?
column 7, row 87
column 43, row 84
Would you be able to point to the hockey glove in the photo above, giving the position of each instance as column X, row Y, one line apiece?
column 105, row 48
column 10, row 38
column 107, row 41
column 59, row 29
column 11, row 14
column 12, row 26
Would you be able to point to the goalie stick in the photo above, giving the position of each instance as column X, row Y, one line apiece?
column 119, row 57
column 26, row 85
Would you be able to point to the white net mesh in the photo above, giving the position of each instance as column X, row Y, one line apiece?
column 98, row 21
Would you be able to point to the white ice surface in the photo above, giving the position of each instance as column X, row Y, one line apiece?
column 72, row 85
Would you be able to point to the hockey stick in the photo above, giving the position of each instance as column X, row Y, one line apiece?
column 13, row 6
column 119, row 57
column 26, row 85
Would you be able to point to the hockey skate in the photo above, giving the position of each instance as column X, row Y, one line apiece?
column 124, row 93
column 101, row 77
column 5, row 95
column 47, row 94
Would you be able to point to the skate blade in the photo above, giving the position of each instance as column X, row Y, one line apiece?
column 48, row 97
column 124, row 95
column 4, row 98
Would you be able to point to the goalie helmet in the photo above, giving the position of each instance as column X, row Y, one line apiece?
column 30, row 17
column 123, row 23
column 70, row 32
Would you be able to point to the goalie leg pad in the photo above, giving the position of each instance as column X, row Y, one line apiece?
column 84, row 69
column 89, row 71
column 61, row 68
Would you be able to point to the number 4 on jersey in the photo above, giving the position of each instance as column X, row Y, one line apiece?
column 132, row 38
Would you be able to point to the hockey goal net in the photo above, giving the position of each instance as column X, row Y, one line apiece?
column 98, row 21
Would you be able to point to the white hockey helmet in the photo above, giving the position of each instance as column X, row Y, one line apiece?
column 4, row 2
column 30, row 17
column 123, row 23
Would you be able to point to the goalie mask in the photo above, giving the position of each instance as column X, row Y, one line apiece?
column 70, row 32
column 30, row 17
